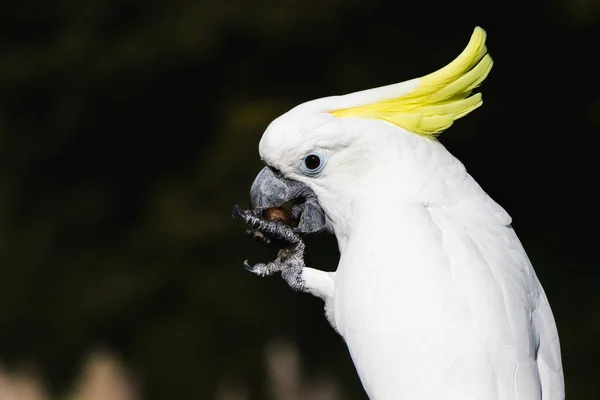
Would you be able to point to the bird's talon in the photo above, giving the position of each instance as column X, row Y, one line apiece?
column 237, row 212
column 248, row 267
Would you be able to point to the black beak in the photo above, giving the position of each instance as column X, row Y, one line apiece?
column 272, row 189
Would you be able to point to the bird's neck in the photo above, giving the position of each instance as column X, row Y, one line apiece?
column 379, row 215
column 382, row 221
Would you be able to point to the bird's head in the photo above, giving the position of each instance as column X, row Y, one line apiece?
column 330, row 153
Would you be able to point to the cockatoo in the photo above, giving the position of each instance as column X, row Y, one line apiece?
column 434, row 294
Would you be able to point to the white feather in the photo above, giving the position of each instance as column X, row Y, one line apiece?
column 434, row 294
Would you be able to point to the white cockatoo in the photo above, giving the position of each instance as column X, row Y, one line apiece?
column 434, row 294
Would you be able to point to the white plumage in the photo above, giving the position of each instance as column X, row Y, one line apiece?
column 434, row 294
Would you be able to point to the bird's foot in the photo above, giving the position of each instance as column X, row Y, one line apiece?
column 290, row 258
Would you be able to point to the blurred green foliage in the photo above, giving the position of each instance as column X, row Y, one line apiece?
column 129, row 129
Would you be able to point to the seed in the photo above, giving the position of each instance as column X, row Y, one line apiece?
column 277, row 214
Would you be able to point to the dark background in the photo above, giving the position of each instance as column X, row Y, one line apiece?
column 130, row 128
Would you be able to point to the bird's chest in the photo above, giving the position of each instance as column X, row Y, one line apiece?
column 382, row 301
column 386, row 286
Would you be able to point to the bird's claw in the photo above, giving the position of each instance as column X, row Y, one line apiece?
column 262, row 269
column 238, row 213
column 248, row 267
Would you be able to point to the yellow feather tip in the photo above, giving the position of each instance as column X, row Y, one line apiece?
column 440, row 97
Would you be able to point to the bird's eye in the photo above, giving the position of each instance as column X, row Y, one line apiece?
column 313, row 164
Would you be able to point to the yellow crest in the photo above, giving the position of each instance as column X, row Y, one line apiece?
column 439, row 98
